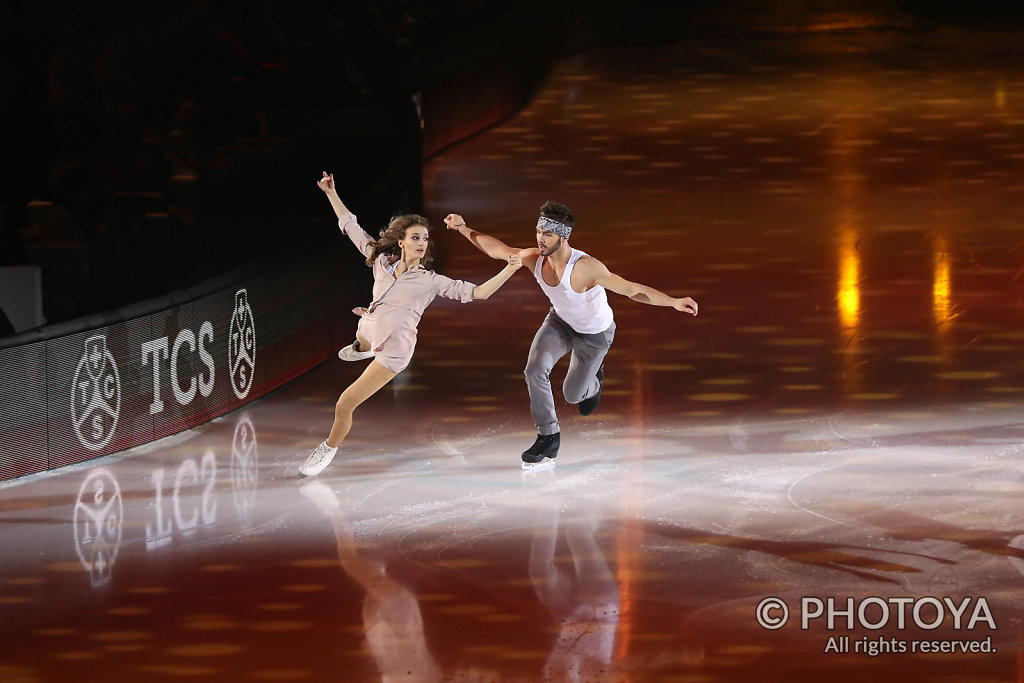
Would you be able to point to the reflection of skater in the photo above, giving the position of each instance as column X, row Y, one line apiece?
column 391, row 614
column 403, row 287
column 585, row 600
column 580, row 319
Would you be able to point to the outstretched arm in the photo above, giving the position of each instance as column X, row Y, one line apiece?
column 346, row 219
column 327, row 185
column 491, row 286
column 599, row 274
column 491, row 246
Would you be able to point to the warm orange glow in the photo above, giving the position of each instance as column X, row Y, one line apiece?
column 628, row 543
column 1000, row 95
column 629, row 540
column 848, row 170
column 942, row 307
column 848, row 174
column 848, row 294
column 848, row 298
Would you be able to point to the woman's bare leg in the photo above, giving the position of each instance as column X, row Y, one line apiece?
column 374, row 377
column 363, row 344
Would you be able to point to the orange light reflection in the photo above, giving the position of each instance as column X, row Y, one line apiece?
column 848, row 298
column 848, row 293
column 942, row 286
column 629, row 541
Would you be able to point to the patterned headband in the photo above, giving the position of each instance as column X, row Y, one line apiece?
column 550, row 225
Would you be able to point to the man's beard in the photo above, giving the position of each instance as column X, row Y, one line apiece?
column 548, row 251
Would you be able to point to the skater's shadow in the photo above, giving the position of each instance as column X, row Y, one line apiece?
column 392, row 620
column 906, row 526
column 581, row 592
column 855, row 560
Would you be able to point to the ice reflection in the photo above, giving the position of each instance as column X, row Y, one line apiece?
column 584, row 598
column 1000, row 94
column 391, row 614
column 848, row 155
column 178, row 503
column 176, row 513
column 98, row 520
column 193, row 501
column 245, row 472
column 942, row 308
column 848, row 298
column 848, row 293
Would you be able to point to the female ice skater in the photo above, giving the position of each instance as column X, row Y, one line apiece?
column 580, row 319
column 403, row 286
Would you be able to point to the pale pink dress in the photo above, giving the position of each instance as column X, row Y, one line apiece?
column 389, row 324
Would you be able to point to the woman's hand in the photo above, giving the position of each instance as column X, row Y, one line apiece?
column 326, row 183
column 488, row 288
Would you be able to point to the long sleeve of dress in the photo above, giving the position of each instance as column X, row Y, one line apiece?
column 360, row 238
column 460, row 290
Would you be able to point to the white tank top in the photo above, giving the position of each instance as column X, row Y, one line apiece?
column 587, row 313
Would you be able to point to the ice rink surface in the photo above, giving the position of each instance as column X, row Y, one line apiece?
column 834, row 442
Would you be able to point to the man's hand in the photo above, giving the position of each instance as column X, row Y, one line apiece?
column 686, row 305
column 454, row 221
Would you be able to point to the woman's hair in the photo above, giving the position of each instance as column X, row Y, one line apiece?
column 558, row 212
column 389, row 236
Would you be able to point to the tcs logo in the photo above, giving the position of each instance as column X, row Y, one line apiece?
column 187, row 361
column 95, row 395
column 242, row 346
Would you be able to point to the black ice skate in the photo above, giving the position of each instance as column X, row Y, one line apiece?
column 545, row 447
column 589, row 405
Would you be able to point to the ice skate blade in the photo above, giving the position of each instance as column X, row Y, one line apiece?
column 543, row 465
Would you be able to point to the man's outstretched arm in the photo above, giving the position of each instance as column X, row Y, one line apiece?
column 599, row 274
column 491, row 246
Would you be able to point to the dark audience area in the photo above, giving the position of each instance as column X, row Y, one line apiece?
column 148, row 146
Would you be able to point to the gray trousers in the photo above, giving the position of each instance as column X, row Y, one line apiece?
column 554, row 339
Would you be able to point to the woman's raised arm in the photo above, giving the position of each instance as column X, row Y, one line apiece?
column 346, row 219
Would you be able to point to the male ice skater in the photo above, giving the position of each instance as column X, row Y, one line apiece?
column 580, row 319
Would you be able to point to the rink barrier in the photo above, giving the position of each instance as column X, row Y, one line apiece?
column 71, row 397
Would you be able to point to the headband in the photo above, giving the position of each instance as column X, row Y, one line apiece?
column 551, row 225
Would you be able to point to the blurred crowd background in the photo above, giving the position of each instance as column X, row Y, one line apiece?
column 148, row 146
column 140, row 149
